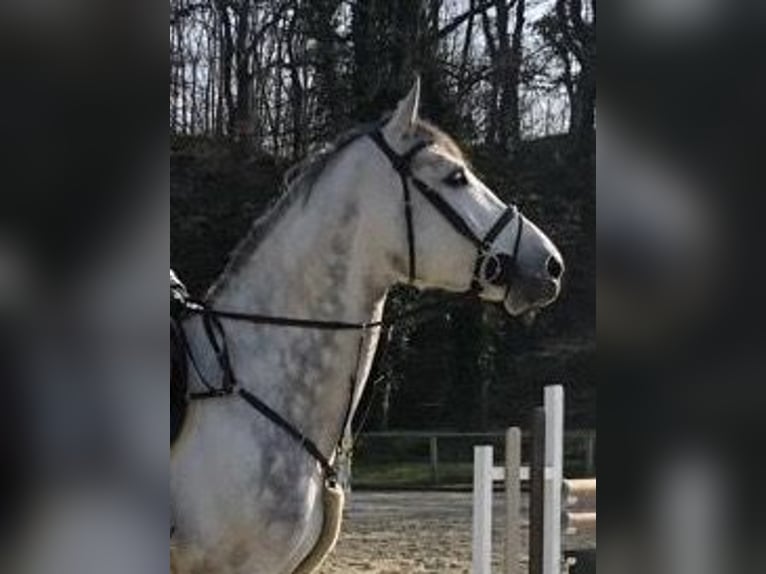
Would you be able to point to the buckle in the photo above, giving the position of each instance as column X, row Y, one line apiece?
column 491, row 268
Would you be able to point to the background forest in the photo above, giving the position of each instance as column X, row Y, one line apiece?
column 255, row 84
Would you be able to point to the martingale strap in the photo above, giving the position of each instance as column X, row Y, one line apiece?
column 216, row 335
column 305, row 442
column 217, row 339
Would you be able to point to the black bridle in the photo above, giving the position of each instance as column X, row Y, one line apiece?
column 496, row 269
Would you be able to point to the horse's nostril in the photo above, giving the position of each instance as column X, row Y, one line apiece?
column 555, row 267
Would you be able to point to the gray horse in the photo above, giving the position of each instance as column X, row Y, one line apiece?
column 247, row 498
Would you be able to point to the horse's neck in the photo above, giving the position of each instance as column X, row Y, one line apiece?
column 315, row 264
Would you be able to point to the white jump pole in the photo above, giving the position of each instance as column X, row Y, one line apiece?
column 554, row 456
column 482, row 510
column 513, row 501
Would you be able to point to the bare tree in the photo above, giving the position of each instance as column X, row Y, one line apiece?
column 505, row 50
column 278, row 75
column 570, row 31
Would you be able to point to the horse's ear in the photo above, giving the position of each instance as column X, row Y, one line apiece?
column 406, row 113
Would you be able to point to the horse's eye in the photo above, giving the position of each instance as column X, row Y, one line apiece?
column 456, row 178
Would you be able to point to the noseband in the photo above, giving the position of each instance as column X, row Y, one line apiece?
column 496, row 269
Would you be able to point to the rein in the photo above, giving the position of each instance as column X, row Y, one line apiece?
column 496, row 269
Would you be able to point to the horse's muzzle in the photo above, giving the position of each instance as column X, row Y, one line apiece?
column 524, row 293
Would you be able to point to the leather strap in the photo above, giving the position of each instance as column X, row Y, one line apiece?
column 305, row 442
column 402, row 164
column 510, row 212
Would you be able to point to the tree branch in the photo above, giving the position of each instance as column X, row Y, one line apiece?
column 491, row 47
column 458, row 21
column 563, row 9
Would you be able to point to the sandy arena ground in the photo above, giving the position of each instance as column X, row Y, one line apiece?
column 412, row 533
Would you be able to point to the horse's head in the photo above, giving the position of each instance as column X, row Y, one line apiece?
column 459, row 235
